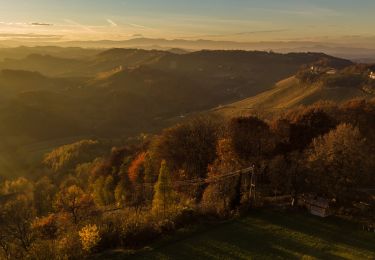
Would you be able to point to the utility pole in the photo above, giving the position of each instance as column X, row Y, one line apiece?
column 252, row 183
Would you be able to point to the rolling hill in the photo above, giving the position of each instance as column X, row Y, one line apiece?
column 13, row 82
column 289, row 93
column 127, row 91
column 59, row 52
column 124, row 92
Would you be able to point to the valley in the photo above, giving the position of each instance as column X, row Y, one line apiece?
column 120, row 93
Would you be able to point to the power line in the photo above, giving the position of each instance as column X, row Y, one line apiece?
column 201, row 181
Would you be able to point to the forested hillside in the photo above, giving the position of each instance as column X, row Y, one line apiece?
column 122, row 92
column 87, row 201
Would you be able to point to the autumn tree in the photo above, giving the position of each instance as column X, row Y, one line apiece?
column 76, row 203
column 149, row 178
column 277, row 174
column 16, row 217
column 286, row 174
column 136, row 168
column 97, row 189
column 82, row 172
column 339, row 162
column 308, row 124
column 222, row 190
column 188, row 149
column 122, row 193
column 137, row 178
column 68, row 156
column 164, row 197
column 44, row 192
column 281, row 128
column 251, row 137
column 18, row 186
column 108, row 190
column 124, row 188
column 361, row 113
column 46, row 227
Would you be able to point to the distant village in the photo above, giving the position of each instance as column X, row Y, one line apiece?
column 333, row 71
column 319, row 70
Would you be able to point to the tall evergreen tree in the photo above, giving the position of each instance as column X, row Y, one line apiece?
column 108, row 190
column 149, row 178
column 123, row 192
column 163, row 198
column 98, row 191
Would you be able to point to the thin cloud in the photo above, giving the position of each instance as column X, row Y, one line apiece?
column 303, row 11
column 82, row 26
column 25, row 24
column 139, row 26
column 27, row 35
column 30, row 37
column 112, row 23
column 41, row 24
column 238, row 33
column 13, row 24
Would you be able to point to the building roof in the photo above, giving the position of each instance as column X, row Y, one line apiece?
column 319, row 202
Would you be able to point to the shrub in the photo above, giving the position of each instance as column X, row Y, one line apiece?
column 46, row 227
column 90, row 237
column 128, row 228
column 68, row 246
column 43, row 250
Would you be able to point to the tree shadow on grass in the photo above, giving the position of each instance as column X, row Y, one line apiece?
column 269, row 235
column 238, row 240
column 331, row 229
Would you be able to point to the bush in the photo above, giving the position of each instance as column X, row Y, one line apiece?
column 43, row 250
column 69, row 246
column 128, row 228
column 90, row 237
column 165, row 226
column 185, row 216
column 46, row 227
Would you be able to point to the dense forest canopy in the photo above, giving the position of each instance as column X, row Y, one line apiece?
column 85, row 202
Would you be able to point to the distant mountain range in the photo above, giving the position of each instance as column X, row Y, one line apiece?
column 346, row 49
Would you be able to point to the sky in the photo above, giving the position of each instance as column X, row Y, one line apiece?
column 236, row 20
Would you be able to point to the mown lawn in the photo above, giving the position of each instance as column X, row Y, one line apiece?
column 267, row 235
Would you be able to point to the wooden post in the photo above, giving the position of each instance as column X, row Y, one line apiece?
column 252, row 183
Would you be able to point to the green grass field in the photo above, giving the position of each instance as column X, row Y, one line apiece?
column 267, row 235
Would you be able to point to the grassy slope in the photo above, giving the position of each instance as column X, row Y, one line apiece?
column 270, row 235
column 289, row 93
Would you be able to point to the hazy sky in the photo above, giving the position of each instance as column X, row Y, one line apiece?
column 241, row 20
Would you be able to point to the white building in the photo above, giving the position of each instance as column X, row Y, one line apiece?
column 331, row 72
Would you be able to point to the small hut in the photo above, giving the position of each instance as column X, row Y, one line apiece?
column 319, row 207
column 316, row 205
